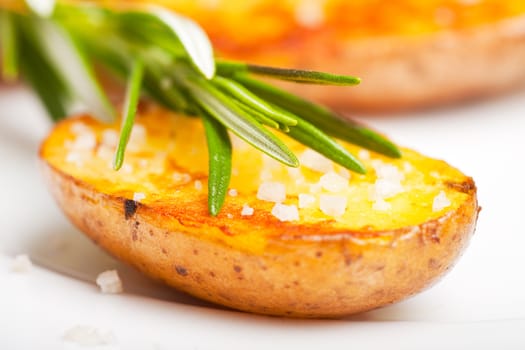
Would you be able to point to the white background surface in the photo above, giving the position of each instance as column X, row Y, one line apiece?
column 480, row 304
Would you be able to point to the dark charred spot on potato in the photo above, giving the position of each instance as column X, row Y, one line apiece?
column 237, row 268
column 134, row 235
column 151, row 233
column 195, row 252
column 212, row 274
column 466, row 186
column 295, row 283
column 130, row 208
column 318, row 254
column 137, row 224
column 286, row 286
column 181, row 270
column 164, row 251
column 297, row 263
column 433, row 264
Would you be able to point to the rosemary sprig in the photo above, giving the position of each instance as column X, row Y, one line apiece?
column 169, row 59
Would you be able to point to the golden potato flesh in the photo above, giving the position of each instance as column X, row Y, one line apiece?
column 335, row 243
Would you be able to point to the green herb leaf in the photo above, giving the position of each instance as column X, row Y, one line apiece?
column 9, row 47
column 130, row 109
column 192, row 37
column 70, row 62
column 294, row 75
column 323, row 118
column 38, row 71
column 246, row 97
column 220, row 162
column 242, row 124
column 317, row 140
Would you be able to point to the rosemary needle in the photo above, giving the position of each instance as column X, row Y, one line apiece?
column 130, row 109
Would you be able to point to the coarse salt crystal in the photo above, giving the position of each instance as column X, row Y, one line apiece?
column 381, row 205
column 333, row 182
column 271, row 192
column 79, row 128
column 285, row 212
column 138, row 196
column 315, row 161
column 384, row 189
column 21, row 263
column 247, row 210
column 387, row 171
column 333, row 205
column 229, row 216
column 110, row 138
column 232, row 192
column 440, row 202
column 87, row 336
column 306, row 200
column 109, row 282
column 84, row 142
column 198, row 185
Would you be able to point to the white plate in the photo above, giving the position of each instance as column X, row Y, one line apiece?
column 479, row 304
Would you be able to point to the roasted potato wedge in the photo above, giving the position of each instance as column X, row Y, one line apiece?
column 338, row 243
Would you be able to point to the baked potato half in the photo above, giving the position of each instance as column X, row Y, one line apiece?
column 314, row 241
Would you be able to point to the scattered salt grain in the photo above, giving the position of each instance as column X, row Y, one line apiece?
column 87, row 336
column 333, row 205
column 315, row 161
column 138, row 196
column 109, row 282
column 21, row 264
column 271, row 192
column 440, row 202
column 381, row 205
column 79, row 128
column 198, row 185
column 306, row 200
column 247, row 210
column 229, row 216
column 232, row 192
column 384, row 189
column 285, row 212
column 84, row 142
column 333, row 182
column 110, row 138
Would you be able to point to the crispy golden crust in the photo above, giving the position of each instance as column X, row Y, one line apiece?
column 298, row 273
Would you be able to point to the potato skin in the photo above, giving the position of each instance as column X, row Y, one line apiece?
column 296, row 275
